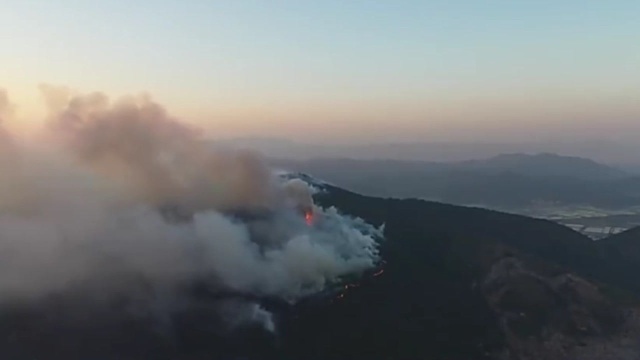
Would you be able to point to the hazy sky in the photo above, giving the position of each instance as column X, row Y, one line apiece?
column 336, row 70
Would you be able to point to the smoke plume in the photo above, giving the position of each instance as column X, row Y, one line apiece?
column 6, row 110
column 121, row 196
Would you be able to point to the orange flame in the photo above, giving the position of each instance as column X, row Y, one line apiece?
column 308, row 217
column 347, row 287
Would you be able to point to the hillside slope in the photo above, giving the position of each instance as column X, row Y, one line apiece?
column 463, row 283
column 457, row 283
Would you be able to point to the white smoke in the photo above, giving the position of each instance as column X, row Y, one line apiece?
column 237, row 314
column 83, row 210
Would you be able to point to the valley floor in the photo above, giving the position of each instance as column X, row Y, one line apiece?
column 596, row 223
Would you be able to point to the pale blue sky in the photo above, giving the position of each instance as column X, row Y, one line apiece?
column 415, row 68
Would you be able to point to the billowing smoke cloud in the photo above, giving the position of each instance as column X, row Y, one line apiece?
column 163, row 160
column 124, row 195
column 7, row 152
column 6, row 110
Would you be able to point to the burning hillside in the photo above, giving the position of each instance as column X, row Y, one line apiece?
column 120, row 203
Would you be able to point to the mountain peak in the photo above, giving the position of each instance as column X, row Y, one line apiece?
column 547, row 164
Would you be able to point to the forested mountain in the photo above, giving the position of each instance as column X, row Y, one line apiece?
column 455, row 283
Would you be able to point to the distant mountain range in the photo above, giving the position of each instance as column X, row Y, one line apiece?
column 609, row 152
column 544, row 165
column 505, row 181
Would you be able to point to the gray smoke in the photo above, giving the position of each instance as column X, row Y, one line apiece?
column 6, row 111
column 82, row 210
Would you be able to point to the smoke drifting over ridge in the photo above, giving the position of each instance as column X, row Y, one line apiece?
column 82, row 210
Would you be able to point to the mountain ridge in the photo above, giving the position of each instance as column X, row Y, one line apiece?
column 457, row 283
column 515, row 298
column 510, row 181
column 603, row 151
column 547, row 164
